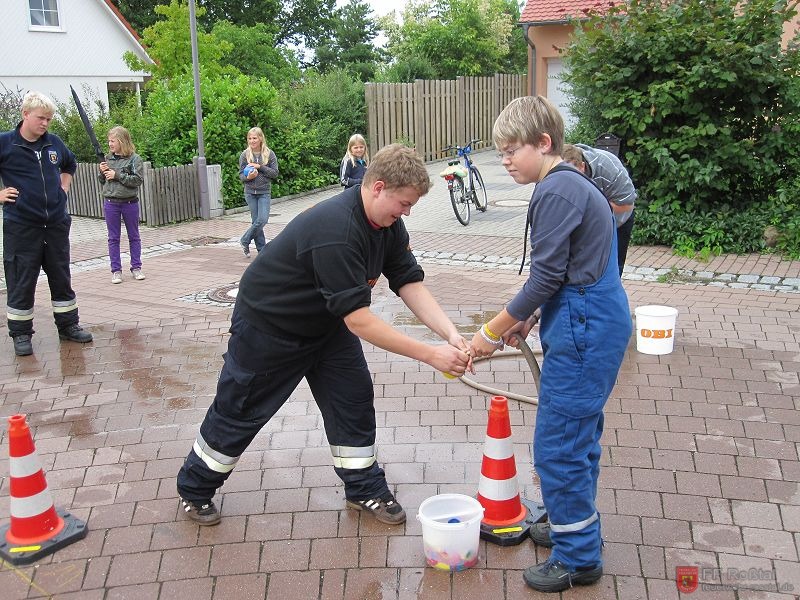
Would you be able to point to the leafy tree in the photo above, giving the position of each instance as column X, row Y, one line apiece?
column 241, row 12
column 139, row 13
column 406, row 70
column 334, row 102
column 168, row 43
column 292, row 22
column 351, row 43
column 705, row 99
column 458, row 37
column 232, row 104
column 253, row 52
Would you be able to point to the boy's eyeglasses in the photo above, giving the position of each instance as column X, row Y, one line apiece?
column 502, row 155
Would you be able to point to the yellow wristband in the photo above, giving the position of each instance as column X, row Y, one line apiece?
column 490, row 333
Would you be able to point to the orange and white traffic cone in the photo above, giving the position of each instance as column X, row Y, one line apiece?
column 36, row 528
column 507, row 519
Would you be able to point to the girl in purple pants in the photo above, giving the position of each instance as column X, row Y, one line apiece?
column 121, row 176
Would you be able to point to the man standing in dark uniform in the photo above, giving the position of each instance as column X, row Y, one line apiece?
column 37, row 168
column 302, row 309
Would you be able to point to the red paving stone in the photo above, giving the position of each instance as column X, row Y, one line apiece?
column 700, row 464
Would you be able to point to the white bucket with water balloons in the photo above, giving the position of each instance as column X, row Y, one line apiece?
column 655, row 329
column 451, row 531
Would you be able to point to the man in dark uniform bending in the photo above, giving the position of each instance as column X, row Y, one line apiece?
column 302, row 309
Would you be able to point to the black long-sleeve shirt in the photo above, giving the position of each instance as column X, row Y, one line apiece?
column 322, row 267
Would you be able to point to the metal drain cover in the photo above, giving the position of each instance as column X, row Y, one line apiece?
column 225, row 293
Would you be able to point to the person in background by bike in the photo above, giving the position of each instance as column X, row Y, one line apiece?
column 355, row 161
column 262, row 167
column 611, row 176
column 585, row 328
column 121, row 176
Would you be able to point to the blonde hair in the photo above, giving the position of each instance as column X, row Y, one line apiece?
column 34, row 100
column 264, row 148
column 123, row 136
column 356, row 138
column 398, row 166
column 525, row 119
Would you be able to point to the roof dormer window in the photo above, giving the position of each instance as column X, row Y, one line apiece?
column 44, row 14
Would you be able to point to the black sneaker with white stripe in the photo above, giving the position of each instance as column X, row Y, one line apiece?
column 385, row 509
column 202, row 513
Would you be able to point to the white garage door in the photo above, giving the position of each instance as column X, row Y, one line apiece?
column 558, row 91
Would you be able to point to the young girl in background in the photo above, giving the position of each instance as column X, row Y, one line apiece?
column 121, row 176
column 257, row 186
column 355, row 161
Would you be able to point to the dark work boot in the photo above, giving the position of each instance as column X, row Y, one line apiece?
column 553, row 576
column 540, row 534
column 22, row 344
column 75, row 333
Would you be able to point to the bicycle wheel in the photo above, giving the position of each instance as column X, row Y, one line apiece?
column 459, row 201
column 479, row 190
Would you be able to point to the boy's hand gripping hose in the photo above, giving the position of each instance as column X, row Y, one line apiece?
column 530, row 358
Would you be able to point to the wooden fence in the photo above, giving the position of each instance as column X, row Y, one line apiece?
column 168, row 194
column 432, row 114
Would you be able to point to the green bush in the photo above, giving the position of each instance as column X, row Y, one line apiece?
column 67, row 125
column 231, row 106
column 10, row 105
column 334, row 102
column 706, row 101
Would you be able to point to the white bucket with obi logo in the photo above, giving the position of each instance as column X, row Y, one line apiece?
column 655, row 329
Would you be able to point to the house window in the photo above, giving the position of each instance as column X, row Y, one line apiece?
column 44, row 13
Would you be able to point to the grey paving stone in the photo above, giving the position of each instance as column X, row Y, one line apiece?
column 747, row 278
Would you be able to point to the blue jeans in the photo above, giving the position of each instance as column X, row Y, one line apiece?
column 259, row 215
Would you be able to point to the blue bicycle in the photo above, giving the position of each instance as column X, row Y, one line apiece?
column 464, row 183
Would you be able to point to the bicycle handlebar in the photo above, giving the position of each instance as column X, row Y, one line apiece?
column 460, row 149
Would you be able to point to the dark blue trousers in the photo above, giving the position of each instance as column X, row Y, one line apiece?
column 26, row 251
column 260, row 373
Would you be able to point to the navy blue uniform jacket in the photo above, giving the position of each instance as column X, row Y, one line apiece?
column 35, row 170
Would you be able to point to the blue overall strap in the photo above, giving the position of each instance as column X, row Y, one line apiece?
column 559, row 167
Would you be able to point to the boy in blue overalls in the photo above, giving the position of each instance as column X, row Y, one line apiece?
column 585, row 328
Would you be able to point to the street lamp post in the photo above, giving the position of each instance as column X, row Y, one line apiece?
column 202, row 171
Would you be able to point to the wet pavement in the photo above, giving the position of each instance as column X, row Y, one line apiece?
column 700, row 464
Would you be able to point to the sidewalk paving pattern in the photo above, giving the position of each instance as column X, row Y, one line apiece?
column 700, row 462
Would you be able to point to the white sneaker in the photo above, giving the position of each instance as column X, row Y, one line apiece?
column 137, row 274
column 116, row 277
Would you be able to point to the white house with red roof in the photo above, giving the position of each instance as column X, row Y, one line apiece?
column 48, row 45
column 546, row 27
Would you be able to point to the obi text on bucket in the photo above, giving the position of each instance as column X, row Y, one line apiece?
column 655, row 329
column 656, row 333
